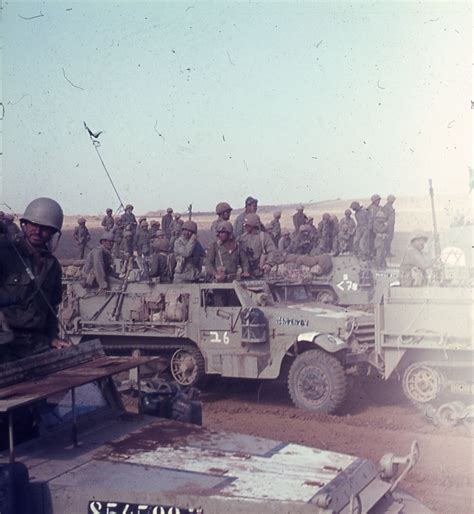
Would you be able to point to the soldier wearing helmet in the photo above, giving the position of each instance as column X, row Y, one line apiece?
column 274, row 228
column 108, row 220
column 126, row 247
column 176, row 227
column 372, row 209
column 225, row 257
column 299, row 218
column 326, row 233
column 166, row 220
column 302, row 243
column 117, row 232
column 347, row 230
column 285, row 241
column 188, row 253
column 257, row 245
column 415, row 263
column 30, row 276
column 81, row 236
column 128, row 218
column 98, row 271
column 361, row 237
column 141, row 239
column 390, row 213
column 223, row 210
column 380, row 247
column 251, row 206
column 162, row 259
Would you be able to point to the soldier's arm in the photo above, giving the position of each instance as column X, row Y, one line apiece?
column 244, row 261
column 210, row 260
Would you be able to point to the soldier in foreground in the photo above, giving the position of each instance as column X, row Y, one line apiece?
column 108, row 220
column 189, row 254
column 81, row 236
column 31, row 277
column 223, row 211
column 251, row 206
column 257, row 245
column 415, row 263
column 98, row 271
column 225, row 256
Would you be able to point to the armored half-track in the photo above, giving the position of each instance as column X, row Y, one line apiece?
column 248, row 329
column 93, row 457
column 424, row 336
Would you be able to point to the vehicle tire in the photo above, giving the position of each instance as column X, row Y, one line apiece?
column 187, row 366
column 15, row 489
column 317, row 382
column 326, row 296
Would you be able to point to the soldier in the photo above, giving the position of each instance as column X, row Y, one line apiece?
column 154, row 228
column 141, row 241
column 361, row 237
column 372, row 209
column 188, row 253
column 223, row 210
column 274, row 228
column 313, row 231
column 126, row 246
column 415, row 263
column 225, row 256
column 166, row 222
column 117, row 232
column 251, row 206
column 390, row 213
column 98, row 271
column 12, row 232
column 299, row 218
column 128, row 218
column 347, row 230
column 334, row 235
column 162, row 259
column 108, row 221
column 176, row 227
column 302, row 243
column 82, row 236
column 257, row 245
column 285, row 241
column 325, row 230
column 31, row 277
column 380, row 231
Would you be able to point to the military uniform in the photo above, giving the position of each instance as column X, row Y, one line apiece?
column 166, row 224
column 176, row 227
column 274, row 230
column 117, row 231
column 380, row 230
column 325, row 230
column 33, row 324
column 347, row 230
column 98, row 268
column 129, row 220
column 189, row 255
column 162, row 261
column 284, row 244
column 108, row 222
column 413, row 268
column 141, row 242
column 224, row 259
column 372, row 210
column 299, row 218
column 82, row 238
column 258, row 248
column 361, row 237
column 390, row 213
column 302, row 243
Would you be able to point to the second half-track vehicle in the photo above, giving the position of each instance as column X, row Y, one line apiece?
column 242, row 329
column 88, row 455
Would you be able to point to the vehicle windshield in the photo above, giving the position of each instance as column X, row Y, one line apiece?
column 291, row 293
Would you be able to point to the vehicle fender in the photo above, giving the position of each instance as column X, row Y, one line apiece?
column 327, row 342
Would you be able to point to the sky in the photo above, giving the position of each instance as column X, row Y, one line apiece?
column 204, row 102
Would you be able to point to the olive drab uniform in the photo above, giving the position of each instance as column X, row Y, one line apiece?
column 302, row 243
column 284, row 244
column 129, row 220
column 413, row 268
column 31, row 320
column 82, row 238
column 141, row 241
column 108, row 222
column 380, row 230
column 275, row 230
column 166, row 220
column 223, row 260
column 372, row 210
column 389, row 211
column 98, row 269
column 189, row 255
column 299, row 218
column 347, row 230
column 176, row 227
column 361, row 237
column 325, row 230
column 162, row 261
column 259, row 249
column 117, row 231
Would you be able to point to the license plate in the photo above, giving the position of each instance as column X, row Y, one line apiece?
column 109, row 507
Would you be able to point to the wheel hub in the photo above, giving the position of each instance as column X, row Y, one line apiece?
column 422, row 383
column 313, row 384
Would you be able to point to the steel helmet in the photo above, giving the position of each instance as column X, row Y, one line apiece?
column 107, row 236
column 46, row 212
column 252, row 220
column 250, row 200
column 128, row 206
column 191, row 226
column 391, row 198
column 374, row 198
column 418, row 235
column 177, row 215
column 300, row 208
column 169, row 210
column 81, row 221
column 285, row 232
column 108, row 210
column 277, row 214
column 222, row 207
column 128, row 233
column 347, row 212
column 326, row 216
column 225, row 226
column 355, row 205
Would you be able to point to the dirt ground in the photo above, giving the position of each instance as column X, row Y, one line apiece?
column 376, row 419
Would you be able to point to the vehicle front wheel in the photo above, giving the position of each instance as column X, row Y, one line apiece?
column 317, row 382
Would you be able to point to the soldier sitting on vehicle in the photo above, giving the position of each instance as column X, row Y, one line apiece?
column 176, row 227
column 257, row 245
column 117, row 232
column 299, row 218
column 302, row 243
column 166, row 220
column 285, row 240
column 189, row 254
column 141, row 240
column 415, row 263
column 225, row 256
column 380, row 228
column 98, row 271
column 162, row 261
column 361, row 237
column 223, row 210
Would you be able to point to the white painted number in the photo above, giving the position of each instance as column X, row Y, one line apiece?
column 216, row 337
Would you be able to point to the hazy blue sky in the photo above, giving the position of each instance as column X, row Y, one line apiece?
column 284, row 101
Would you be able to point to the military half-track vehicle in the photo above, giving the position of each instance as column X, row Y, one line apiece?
column 424, row 336
column 240, row 329
column 91, row 456
column 351, row 281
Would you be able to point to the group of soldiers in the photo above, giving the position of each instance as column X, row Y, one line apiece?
column 246, row 248
column 8, row 228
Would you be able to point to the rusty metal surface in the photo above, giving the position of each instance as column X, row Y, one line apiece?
column 31, row 391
